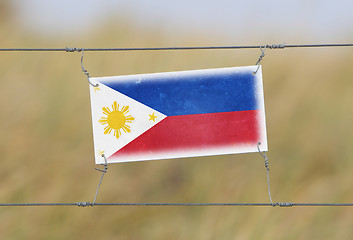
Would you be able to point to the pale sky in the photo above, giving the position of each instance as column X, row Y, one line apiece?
column 312, row 20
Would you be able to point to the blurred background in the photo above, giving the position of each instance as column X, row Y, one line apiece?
column 46, row 138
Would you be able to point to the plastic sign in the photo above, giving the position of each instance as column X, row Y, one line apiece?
column 178, row 114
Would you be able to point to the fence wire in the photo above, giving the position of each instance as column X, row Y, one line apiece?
column 268, row 46
column 89, row 204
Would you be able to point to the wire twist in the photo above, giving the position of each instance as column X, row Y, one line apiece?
column 103, row 172
column 260, row 59
column 276, row 46
column 263, row 154
column 68, row 49
column 82, row 67
column 84, row 204
column 263, row 48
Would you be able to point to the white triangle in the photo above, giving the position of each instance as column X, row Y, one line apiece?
column 143, row 116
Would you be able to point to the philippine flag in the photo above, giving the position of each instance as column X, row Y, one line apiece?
column 178, row 114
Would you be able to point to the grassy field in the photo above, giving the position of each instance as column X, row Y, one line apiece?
column 47, row 147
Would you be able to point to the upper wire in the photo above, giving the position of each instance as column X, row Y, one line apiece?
column 270, row 46
column 84, row 204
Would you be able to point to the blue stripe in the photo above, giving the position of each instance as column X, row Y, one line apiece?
column 181, row 94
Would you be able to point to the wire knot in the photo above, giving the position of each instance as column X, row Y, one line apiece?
column 267, row 164
column 261, row 55
column 105, row 164
column 276, row 46
column 68, row 49
column 263, row 154
column 283, row 204
column 103, row 172
column 84, row 70
column 263, row 48
column 260, row 59
column 84, row 204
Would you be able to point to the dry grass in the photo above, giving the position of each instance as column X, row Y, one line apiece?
column 47, row 149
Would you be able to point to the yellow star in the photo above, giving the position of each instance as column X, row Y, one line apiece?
column 96, row 88
column 152, row 117
column 101, row 152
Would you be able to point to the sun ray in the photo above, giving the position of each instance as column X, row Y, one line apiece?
column 125, row 109
column 126, row 128
column 115, row 106
column 103, row 120
column 106, row 111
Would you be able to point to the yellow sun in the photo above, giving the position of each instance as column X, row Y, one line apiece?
column 116, row 119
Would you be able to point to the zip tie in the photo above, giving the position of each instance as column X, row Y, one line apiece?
column 83, row 69
column 263, row 154
column 103, row 172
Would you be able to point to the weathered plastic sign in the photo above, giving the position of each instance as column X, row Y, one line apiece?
column 178, row 114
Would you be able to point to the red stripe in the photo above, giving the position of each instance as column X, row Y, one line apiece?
column 197, row 131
